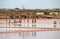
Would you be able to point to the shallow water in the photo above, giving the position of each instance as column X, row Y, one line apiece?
column 41, row 23
column 32, row 35
column 49, row 23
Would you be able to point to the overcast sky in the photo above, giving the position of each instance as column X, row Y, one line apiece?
column 34, row 4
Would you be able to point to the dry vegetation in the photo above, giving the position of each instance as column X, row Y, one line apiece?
column 28, row 13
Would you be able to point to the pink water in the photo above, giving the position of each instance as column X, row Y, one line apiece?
column 38, row 21
column 31, row 35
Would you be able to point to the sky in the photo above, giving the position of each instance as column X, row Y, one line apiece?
column 30, row 4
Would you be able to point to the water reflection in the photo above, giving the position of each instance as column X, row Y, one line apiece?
column 17, row 26
column 26, row 34
column 42, row 23
column 32, row 35
column 21, row 35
